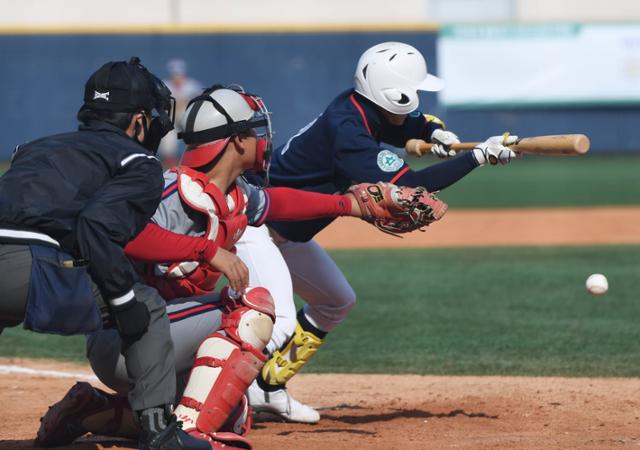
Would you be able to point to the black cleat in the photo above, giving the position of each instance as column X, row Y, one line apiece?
column 170, row 437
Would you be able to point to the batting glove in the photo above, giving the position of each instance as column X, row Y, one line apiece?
column 443, row 140
column 493, row 150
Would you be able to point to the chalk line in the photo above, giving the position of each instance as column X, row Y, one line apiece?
column 9, row 369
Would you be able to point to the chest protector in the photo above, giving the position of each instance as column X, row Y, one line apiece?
column 226, row 221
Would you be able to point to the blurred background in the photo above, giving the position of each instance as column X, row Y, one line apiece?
column 528, row 66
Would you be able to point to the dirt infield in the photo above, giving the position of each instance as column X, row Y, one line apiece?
column 396, row 412
column 504, row 227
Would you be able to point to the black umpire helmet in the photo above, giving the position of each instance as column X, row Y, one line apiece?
column 128, row 87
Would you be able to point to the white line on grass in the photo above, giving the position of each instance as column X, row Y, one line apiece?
column 46, row 373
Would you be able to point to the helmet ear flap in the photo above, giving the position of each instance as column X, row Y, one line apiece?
column 397, row 97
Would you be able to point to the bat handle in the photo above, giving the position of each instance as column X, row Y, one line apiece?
column 418, row 147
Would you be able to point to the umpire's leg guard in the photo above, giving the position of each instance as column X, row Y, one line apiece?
column 295, row 353
column 213, row 405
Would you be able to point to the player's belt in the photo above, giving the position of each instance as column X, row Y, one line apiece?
column 26, row 236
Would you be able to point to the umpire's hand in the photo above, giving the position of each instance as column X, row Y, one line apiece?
column 232, row 267
column 132, row 320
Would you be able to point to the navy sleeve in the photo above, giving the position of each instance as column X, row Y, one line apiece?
column 258, row 202
column 116, row 213
column 441, row 175
column 414, row 127
column 359, row 158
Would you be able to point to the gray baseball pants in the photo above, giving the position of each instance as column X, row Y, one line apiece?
column 192, row 320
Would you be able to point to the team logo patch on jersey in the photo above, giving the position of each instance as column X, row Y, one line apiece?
column 389, row 161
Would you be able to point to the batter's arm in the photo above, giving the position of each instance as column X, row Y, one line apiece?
column 439, row 176
column 416, row 124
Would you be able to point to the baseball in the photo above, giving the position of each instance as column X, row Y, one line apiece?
column 597, row 284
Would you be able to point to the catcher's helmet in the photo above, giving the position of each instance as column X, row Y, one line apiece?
column 216, row 115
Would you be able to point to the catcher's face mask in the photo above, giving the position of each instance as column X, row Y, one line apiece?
column 261, row 124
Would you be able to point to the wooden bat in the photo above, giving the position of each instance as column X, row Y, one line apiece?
column 554, row 145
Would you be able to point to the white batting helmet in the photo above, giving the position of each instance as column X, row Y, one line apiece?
column 391, row 74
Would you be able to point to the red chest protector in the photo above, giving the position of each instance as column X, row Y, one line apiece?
column 226, row 221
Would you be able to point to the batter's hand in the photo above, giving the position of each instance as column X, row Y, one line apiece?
column 443, row 140
column 493, row 150
column 233, row 268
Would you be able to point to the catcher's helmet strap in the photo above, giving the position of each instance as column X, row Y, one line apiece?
column 200, row 137
column 220, row 132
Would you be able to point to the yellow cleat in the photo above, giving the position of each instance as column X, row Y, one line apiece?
column 285, row 363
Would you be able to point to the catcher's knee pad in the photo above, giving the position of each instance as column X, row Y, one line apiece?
column 288, row 361
column 248, row 318
column 227, row 361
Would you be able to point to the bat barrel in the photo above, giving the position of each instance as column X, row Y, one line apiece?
column 561, row 144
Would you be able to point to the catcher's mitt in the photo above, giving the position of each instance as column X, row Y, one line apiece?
column 397, row 209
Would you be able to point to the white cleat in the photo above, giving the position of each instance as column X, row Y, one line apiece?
column 282, row 404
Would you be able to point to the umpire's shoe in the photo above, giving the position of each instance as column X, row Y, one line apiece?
column 160, row 430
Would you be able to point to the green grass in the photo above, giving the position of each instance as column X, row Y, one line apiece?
column 548, row 181
column 466, row 311
column 488, row 311
column 20, row 343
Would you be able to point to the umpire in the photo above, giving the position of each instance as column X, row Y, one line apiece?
column 68, row 205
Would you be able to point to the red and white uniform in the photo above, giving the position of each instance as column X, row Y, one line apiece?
column 195, row 218
column 222, row 220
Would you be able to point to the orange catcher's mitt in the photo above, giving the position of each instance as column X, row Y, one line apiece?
column 397, row 209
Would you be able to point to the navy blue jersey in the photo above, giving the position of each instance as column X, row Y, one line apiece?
column 342, row 147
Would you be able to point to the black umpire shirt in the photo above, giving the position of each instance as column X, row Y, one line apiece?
column 92, row 190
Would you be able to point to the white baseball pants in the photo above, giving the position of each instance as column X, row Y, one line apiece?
column 300, row 267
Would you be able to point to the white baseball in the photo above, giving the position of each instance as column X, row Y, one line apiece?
column 597, row 284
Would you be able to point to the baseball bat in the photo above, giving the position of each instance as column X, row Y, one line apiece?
column 554, row 145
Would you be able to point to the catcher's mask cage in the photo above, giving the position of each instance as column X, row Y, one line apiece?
column 203, row 145
column 163, row 103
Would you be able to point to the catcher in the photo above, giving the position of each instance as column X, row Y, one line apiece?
column 340, row 146
column 205, row 208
